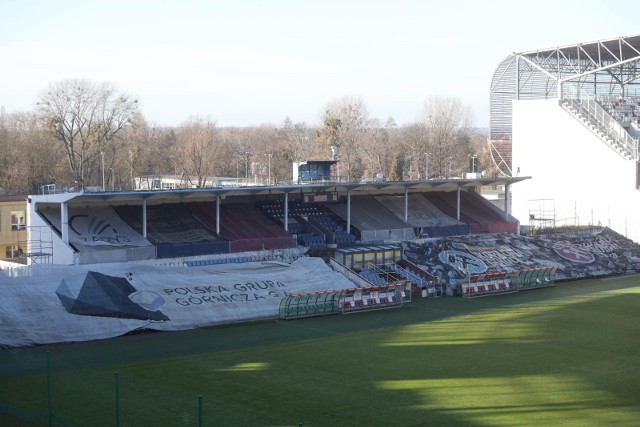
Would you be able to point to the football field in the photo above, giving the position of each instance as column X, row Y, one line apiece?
column 566, row 355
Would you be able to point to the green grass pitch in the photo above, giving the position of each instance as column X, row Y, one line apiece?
column 568, row 355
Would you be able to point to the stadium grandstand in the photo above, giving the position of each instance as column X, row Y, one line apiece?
column 116, row 262
column 102, row 264
column 569, row 117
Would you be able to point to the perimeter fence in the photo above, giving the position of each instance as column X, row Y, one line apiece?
column 36, row 391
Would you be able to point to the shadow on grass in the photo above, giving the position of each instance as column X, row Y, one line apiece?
column 558, row 355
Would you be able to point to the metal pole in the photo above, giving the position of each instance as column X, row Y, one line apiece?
column 144, row 218
column 133, row 183
column 64, row 222
column 348, row 211
column 49, row 404
column 102, row 162
column 506, row 202
column 458, row 203
column 117, row 400
column 426, row 166
column 269, row 169
column 286, row 211
column 246, row 165
column 406, row 204
column 218, row 215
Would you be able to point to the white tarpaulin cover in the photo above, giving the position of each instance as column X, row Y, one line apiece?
column 78, row 303
column 96, row 227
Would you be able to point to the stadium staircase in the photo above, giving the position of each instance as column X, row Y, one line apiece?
column 601, row 123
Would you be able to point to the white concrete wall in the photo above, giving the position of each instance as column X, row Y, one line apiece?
column 62, row 252
column 569, row 164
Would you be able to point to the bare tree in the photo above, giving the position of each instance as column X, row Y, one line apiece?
column 414, row 149
column 448, row 125
column 379, row 147
column 345, row 126
column 148, row 152
column 198, row 146
column 237, row 153
column 298, row 138
column 298, row 142
column 86, row 118
column 28, row 159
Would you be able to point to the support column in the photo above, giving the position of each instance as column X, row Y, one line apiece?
column 506, row 202
column 286, row 211
column 144, row 218
column 218, row 215
column 348, row 211
column 406, row 204
column 458, row 203
column 517, row 76
column 64, row 220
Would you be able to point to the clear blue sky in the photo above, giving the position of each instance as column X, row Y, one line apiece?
column 251, row 62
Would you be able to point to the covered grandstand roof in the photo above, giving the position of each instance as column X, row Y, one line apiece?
column 600, row 52
column 606, row 67
column 196, row 194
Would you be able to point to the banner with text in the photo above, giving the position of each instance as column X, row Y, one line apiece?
column 65, row 303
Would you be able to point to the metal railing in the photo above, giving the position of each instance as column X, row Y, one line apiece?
column 605, row 126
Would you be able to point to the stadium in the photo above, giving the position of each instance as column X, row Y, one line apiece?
column 255, row 275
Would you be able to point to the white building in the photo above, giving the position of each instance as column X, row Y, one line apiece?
column 567, row 117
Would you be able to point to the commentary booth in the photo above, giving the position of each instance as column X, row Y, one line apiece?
column 314, row 171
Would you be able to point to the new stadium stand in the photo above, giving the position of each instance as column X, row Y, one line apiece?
column 476, row 211
column 422, row 214
column 624, row 110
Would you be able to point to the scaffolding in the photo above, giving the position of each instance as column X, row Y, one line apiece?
column 39, row 246
column 542, row 215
